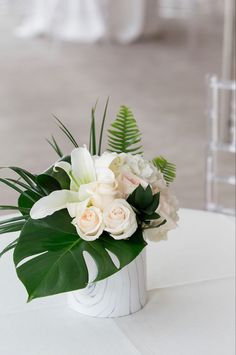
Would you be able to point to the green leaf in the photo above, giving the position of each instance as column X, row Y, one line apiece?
column 13, row 219
column 9, row 247
column 55, row 146
column 124, row 133
column 145, row 203
column 168, row 169
column 12, row 227
column 92, row 135
column 66, row 131
column 57, row 262
column 14, row 187
column 7, row 207
column 26, row 201
column 26, row 186
column 102, row 127
column 60, row 175
column 48, row 183
column 29, row 178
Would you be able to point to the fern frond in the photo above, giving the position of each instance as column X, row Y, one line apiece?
column 124, row 134
column 168, row 169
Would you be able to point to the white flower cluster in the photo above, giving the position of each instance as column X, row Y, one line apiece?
column 99, row 188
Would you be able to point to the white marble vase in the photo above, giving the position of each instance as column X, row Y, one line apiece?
column 119, row 295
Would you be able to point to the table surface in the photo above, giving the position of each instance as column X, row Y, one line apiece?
column 190, row 310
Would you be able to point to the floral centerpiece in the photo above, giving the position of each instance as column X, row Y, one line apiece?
column 105, row 205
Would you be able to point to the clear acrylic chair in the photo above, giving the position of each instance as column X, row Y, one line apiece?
column 221, row 119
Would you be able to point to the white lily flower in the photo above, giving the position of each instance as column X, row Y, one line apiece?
column 81, row 170
column 87, row 176
column 64, row 166
column 57, row 200
column 82, row 165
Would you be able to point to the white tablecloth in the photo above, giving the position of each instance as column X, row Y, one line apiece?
column 190, row 309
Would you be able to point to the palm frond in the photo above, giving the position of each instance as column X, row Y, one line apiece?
column 12, row 227
column 16, row 188
column 53, row 143
column 13, row 219
column 124, row 134
column 29, row 180
column 66, row 131
column 13, row 224
column 168, row 169
column 27, row 187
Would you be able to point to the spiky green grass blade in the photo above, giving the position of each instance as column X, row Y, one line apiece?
column 53, row 143
column 10, row 246
column 66, row 131
column 102, row 127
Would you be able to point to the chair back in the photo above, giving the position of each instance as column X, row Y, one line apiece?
column 220, row 180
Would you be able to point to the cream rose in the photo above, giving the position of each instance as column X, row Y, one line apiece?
column 104, row 194
column 105, row 190
column 89, row 223
column 120, row 220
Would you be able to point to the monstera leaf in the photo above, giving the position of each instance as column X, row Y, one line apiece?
column 49, row 255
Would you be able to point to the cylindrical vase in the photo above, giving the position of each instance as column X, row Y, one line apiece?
column 119, row 295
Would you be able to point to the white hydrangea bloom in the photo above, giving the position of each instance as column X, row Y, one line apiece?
column 144, row 169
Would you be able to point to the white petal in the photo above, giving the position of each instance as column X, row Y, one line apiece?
column 77, row 208
column 74, row 186
column 56, row 201
column 62, row 165
column 89, row 237
column 82, row 165
column 105, row 175
column 105, row 160
column 87, row 190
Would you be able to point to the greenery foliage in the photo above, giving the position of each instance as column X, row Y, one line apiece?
column 168, row 169
column 145, row 203
column 56, row 262
column 124, row 134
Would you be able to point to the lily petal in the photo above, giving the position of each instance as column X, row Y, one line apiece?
column 87, row 190
column 77, row 208
column 105, row 176
column 56, row 201
column 105, row 160
column 62, row 165
column 82, row 165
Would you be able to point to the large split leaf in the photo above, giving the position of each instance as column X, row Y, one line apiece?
column 56, row 262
